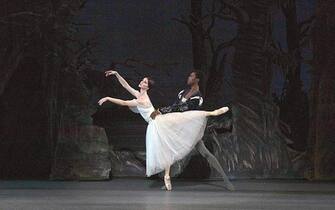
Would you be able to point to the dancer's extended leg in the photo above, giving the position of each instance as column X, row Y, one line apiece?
column 214, row 163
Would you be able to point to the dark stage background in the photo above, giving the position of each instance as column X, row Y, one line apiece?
column 271, row 61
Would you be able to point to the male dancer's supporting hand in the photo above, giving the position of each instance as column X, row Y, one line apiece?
column 155, row 113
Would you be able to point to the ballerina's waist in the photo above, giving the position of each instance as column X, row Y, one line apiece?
column 154, row 114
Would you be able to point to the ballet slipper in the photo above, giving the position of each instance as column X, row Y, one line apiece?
column 229, row 186
column 220, row 111
column 167, row 182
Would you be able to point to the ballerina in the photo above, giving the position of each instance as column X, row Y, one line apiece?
column 169, row 137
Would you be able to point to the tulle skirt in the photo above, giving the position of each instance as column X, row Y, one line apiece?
column 170, row 137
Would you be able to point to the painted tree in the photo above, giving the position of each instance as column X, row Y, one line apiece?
column 256, row 146
column 322, row 94
column 294, row 105
column 39, row 49
column 207, row 48
column 260, row 145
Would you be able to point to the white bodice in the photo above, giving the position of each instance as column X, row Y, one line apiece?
column 145, row 111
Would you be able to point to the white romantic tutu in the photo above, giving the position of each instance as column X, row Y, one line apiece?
column 170, row 137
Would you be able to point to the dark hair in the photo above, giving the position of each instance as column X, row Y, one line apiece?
column 198, row 74
column 151, row 82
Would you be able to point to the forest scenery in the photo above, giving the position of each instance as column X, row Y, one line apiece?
column 272, row 62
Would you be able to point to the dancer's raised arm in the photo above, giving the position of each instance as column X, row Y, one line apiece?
column 118, row 101
column 123, row 82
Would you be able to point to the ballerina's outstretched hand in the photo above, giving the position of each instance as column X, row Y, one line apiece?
column 110, row 72
column 102, row 100
column 123, row 82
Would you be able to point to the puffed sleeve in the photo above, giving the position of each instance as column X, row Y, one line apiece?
column 134, row 108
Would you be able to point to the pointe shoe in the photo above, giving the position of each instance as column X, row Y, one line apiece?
column 229, row 186
column 167, row 182
column 220, row 111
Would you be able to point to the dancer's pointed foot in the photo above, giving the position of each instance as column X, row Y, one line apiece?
column 220, row 111
column 167, row 182
column 228, row 185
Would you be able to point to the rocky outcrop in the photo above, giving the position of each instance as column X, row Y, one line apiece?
column 82, row 150
column 127, row 163
column 81, row 153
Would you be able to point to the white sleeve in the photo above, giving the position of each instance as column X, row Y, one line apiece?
column 201, row 100
column 180, row 93
column 134, row 108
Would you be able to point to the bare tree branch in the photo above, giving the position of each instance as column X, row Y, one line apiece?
column 225, row 45
column 240, row 14
column 131, row 63
column 281, row 58
column 308, row 21
column 305, row 29
column 23, row 13
column 183, row 21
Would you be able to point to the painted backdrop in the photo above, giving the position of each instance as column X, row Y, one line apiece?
column 271, row 61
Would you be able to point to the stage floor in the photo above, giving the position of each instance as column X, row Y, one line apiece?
column 128, row 193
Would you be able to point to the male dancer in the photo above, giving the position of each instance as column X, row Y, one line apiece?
column 191, row 99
